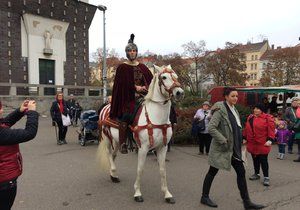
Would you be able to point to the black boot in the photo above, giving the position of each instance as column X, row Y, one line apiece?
column 64, row 141
column 249, row 205
column 207, row 201
column 242, row 185
column 205, row 191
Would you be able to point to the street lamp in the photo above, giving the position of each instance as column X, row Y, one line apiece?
column 103, row 9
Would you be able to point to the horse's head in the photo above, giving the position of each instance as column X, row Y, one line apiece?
column 168, row 84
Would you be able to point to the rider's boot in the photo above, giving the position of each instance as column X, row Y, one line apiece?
column 123, row 137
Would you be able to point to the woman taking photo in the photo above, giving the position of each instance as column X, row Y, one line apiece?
column 225, row 150
column 259, row 133
column 11, row 164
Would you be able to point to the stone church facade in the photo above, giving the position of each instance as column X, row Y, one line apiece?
column 45, row 41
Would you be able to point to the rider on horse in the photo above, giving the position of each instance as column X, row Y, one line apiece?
column 130, row 86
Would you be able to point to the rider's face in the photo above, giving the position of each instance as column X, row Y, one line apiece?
column 132, row 54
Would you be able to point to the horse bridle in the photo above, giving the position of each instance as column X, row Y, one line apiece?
column 161, row 82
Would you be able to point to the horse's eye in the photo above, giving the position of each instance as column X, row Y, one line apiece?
column 164, row 77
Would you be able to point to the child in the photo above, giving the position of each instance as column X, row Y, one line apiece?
column 282, row 136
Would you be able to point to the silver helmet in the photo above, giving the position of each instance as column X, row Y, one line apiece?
column 131, row 46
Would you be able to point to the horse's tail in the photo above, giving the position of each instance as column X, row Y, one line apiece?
column 102, row 154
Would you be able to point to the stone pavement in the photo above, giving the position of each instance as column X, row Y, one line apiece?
column 68, row 177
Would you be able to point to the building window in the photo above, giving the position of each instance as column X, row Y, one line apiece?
column 83, row 42
column 252, row 57
column 84, row 58
column 75, row 68
column 66, row 3
column 76, row 11
column 8, row 4
column 39, row 1
column 8, row 14
column 24, row 2
column 83, row 34
column 75, row 20
column 75, row 60
column 52, row 4
column 74, row 28
column 51, row 14
column 23, row 11
column 84, row 26
column 38, row 10
column 255, row 57
column 74, row 36
column 84, row 81
column 75, row 45
column 24, row 68
column 84, row 65
column 251, row 66
column 75, row 76
column 85, row 17
column 9, row 72
column 8, row 33
column 75, row 52
column 65, row 12
column 255, row 66
column 86, row 9
column 84, row 73
column 9, row 53
column 9, row 62
column 8, row 24
column 25, row 77
column 84, row 50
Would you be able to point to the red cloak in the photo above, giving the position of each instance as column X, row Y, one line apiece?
column 123, row 94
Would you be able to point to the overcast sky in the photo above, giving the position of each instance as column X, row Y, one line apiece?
column 162, row 26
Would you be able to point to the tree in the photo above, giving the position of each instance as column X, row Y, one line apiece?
column 196, row 51
column 227, row 66
column 112, row 62
column 283, row 67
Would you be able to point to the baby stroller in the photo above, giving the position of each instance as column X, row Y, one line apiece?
column 88, row 127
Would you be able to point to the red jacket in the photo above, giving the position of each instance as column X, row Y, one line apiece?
column 258, row 133
column 10, row 156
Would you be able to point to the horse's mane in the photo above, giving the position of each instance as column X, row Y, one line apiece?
column 151, row 87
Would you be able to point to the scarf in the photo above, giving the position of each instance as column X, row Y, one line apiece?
column 61, row 106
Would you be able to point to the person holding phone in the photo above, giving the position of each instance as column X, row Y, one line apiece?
column 10, row 156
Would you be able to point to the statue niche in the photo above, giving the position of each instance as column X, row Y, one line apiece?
column 48, row 39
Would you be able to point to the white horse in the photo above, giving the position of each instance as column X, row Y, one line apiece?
column 152, row 129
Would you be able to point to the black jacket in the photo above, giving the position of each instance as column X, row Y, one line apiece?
column 55, row 112
column 10, row 136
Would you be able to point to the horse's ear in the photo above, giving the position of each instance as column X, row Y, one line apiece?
column 156, row 68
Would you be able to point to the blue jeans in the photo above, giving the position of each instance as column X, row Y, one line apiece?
column 281, row 148
column 291, row 142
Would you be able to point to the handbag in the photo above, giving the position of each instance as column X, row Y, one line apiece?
column 201, row 124
column 66, row 120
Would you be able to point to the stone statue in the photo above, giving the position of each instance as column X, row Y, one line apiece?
column 48, row 36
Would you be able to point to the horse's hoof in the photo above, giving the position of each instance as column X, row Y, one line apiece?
column 170, row 200
column 114, row 179
column 139, row 199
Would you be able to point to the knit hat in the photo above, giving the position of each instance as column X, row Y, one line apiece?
column 295, row 99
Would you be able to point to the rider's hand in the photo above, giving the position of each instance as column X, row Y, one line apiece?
column 140, row 88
